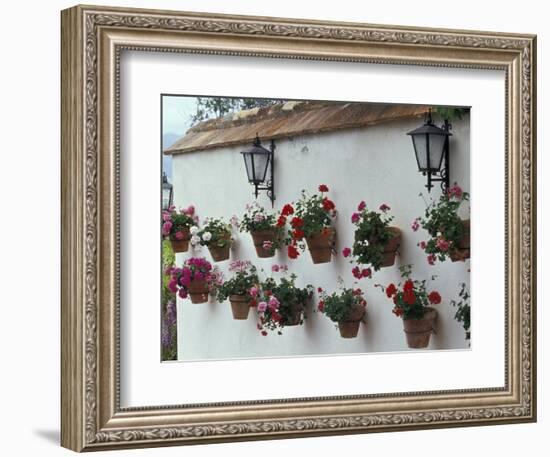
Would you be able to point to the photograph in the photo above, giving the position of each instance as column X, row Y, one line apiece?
column 311, row 228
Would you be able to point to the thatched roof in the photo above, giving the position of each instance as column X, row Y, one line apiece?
column 289, row 119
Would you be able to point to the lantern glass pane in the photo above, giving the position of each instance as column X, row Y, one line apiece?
column 248, row 162
column 261, row 162
column 436, row 151
column 165, row 198
column 419, row 142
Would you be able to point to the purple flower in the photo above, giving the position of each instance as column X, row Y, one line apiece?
column 415, row 225
column 273, row 303
column 384, row 207
column 262, row 306
column 275, row 268
column 443, row 244
column 166, row 227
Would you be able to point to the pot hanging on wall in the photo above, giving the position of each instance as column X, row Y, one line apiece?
column 198, row 291
column 240, row 306
column 462, row 251
column 183, row 244
column 350, row 327
column 391, row 247
column 260, row 237
column 418, row 331
column 219, row 254
column 321, row 245
column 295, row 315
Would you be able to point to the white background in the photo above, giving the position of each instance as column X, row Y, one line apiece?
column 29, row 180
column 144, row 76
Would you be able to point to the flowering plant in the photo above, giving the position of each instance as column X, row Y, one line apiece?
column 257, row 219
column 244, row 279
column 462, row 305
column 311, row 215
column 215, row 233
column 176, row 223
column 194, row 269
column 347, row 305
column 445, row 227
column 410, row 298
column 281, row 303
column 372, row 234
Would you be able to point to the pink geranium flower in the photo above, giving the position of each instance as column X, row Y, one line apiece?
column 355, row 217
column 346, row 252
column 362, row 205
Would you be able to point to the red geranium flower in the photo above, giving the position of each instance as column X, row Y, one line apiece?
column 321, row 306
column 356, row 272
column 408, row 286
column 346, row 252
column 293, row 252
column 328, row 204
column 391, row 290
column 397, row 311
column 323, row 188
column 434, row 298
column 264, row 333
column 409, row 297
column 298, row 234
column 297, row 222
column 287, row 210
column 366, row 272
column 281, row 221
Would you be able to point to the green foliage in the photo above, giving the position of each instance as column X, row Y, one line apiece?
column 371, row 236
column 220, row 233
column 412, row 300
column 168, row 259
column 214, row 107
column 451, row 114
column 291, row 299
column 240, row 284
column 462, row 306
column 314, row 212
column 339, row 306
column 170, row 344
column 257, row 219
column 443, row 224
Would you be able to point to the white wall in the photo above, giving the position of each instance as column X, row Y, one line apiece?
column 375, row 164
column 29, row 320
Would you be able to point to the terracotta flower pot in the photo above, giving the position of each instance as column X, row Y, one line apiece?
column 418, row 331
column 391, row 247
column 240, row 306
column 295, row 316
column 183, row 244
column 198, row 291
column 259, row 237
column 462, row 252
column 320, row 245
column 350, row 328
column 220, row 254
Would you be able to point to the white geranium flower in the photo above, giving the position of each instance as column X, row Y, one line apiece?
column 194, row 230
column 206, row 236
column 195, row 239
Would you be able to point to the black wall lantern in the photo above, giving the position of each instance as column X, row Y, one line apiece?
column 167, row 192
column 257, row 160
column 431, row 146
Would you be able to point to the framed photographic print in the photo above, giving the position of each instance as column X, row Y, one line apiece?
column 276, row 228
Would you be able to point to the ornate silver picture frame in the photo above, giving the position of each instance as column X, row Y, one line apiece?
column 93, row 39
